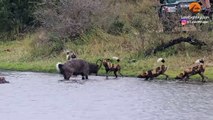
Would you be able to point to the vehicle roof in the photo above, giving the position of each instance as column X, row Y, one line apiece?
column 178, row 1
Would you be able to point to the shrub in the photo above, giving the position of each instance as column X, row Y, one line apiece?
column 46, row 46
column 69, row 18
column 116, row 28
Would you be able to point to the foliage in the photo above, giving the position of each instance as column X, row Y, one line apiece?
column 46, row 45
column 116, row 28
column 16, row 16
column 69, row 18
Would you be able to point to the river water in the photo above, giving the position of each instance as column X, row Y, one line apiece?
column 44, row 96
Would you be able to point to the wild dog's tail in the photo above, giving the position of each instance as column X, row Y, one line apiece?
column 200, row 61
column 59, row 67
column 101, row 62
column 116, row 58
column 161, row 60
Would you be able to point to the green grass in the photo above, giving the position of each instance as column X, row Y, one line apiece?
column 40, row 52
column 41, row 66
column 92, row 47
column 30, row 54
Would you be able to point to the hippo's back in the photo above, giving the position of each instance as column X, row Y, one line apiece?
column 77, row 66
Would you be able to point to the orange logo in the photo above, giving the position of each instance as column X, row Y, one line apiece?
column 195, row 7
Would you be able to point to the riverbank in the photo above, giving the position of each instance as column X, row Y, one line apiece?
column 19, row 55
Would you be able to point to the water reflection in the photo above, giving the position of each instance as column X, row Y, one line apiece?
column 43, row 96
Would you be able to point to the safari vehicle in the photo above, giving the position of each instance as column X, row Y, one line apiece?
column 171, row 11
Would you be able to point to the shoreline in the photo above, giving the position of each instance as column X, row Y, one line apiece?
column 158, row 79
column 102, row 73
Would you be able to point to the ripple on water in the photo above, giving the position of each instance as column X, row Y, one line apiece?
column 43, row 96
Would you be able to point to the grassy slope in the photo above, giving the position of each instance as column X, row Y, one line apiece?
column 95, row 47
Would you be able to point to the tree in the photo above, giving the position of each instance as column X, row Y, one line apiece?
column 17, row 15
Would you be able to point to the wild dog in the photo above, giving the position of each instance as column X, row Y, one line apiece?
column 197, row 68
column 110, row 67
column 150, row 74
column 2, row 80
column 70, row 55
column 73, row 67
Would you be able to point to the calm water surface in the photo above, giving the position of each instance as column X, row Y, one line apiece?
column 43, row 96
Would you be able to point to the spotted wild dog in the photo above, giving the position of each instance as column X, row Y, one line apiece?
column 150, row 74
column 197, row 68
column 111, row 67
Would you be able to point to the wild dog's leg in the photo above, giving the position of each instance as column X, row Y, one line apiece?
column 165, row 75
column 147, row 78
column 115, row 73
column 203, row 77
column 107, row 74
column 150, row 75
column 186, row 78
column 119, row 71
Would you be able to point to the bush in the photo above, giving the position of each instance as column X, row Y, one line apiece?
column 46, row 46
column 146, row 21
column 116, row 28
column 69, row 18
column 16, row 17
